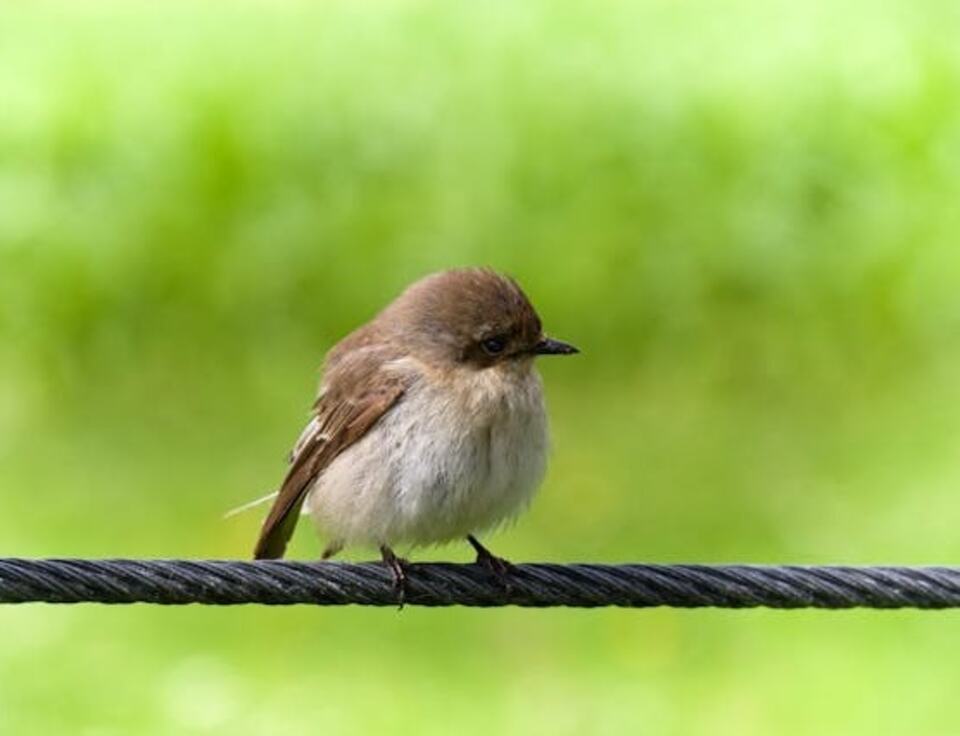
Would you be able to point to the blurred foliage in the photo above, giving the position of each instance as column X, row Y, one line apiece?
column 746, row 215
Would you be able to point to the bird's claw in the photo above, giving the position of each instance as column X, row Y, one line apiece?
column 500, row 568
column 397, row 567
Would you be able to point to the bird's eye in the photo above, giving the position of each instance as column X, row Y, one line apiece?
column 494, row 345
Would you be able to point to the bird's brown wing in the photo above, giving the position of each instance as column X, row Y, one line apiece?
column 356, row 395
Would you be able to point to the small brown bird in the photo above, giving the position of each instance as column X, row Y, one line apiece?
column 430, row 424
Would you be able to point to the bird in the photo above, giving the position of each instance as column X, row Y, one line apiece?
column 429, row 426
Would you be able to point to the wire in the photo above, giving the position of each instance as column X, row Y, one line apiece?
column 274, row 582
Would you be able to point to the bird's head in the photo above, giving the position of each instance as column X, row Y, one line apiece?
column 470, row 317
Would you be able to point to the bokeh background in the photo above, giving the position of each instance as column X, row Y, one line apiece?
column 745, row 213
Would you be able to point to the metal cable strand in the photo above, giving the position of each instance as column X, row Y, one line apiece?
column 230, row 582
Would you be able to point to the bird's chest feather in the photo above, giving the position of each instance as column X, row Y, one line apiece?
column 476, row 452
column 452, row 458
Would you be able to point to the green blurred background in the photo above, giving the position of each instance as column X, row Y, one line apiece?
column 745, row 213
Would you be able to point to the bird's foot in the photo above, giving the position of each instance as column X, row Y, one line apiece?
column 497, row 566
column 397, row 567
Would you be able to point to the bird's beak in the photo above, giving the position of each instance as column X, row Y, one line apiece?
column 549, row 346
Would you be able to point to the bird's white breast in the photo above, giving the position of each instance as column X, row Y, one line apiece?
column 457, row 455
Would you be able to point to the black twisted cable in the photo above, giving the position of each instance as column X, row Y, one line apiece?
column 228, row 582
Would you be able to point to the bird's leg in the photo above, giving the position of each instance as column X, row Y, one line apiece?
column 331, row 549
column 500, row 567
column 397, row 566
